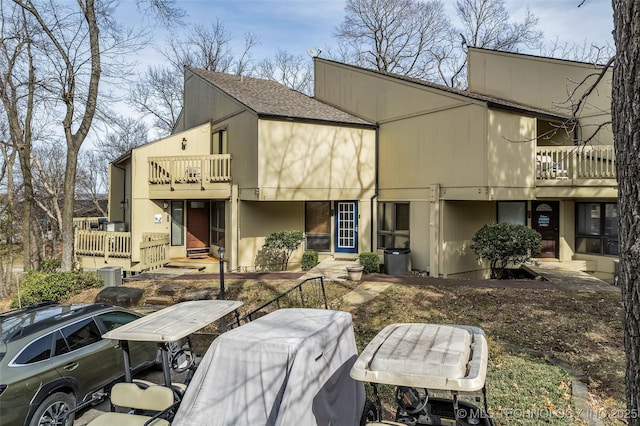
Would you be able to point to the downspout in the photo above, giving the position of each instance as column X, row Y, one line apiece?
column 375, row 190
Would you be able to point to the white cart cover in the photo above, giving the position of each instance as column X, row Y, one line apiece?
column 431, row 356
column 290, row 367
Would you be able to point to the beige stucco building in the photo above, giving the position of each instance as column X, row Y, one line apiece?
column 378, row 161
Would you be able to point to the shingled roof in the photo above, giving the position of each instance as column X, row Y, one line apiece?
column 272, row 99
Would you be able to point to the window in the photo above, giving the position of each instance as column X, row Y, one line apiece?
column 393, row 225
column 317, row 225
column 177, row 223
column 217, row 223
column 514, row 212
column 597, row 228
column 36, row 351
column 113, row 320
column 81, row 334
column 219, row 142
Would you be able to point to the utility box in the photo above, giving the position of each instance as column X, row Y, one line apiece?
column 397, row 261
column 115, row 227
column 111, row 275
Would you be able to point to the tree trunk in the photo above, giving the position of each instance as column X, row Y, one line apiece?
column 625, row 113
column 67, row 209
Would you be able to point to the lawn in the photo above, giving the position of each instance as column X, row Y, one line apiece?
column 583, row 329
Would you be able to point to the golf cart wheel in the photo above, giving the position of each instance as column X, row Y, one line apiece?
column 370, row 413
column 52, row 410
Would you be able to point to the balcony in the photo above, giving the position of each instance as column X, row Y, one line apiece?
column 95, row 249
column 575, row 171
column 189, row 173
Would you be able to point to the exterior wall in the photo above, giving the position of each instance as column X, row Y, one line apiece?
column 143, row 220
column 260, row 218
column 544, row 83
column 303, row 161
column 463, row 219
column 511, row 155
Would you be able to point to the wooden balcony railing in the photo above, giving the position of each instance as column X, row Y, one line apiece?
column 575, row 163
column 87, row 223
column 103, row 244
column 200, row 169
column 154, row 248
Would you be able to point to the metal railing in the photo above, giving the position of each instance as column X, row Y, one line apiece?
column 197, row 169
column 311, row 296
column 575, row 163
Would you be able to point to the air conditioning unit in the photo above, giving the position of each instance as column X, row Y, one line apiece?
column 111, row 275
column 116, row 227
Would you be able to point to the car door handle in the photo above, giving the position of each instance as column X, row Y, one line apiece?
column 71, row 366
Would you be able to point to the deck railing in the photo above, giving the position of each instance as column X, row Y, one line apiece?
column 87, row 223
column 575, row 163
column 103, row 244
column 200, row 169
column 154, row 250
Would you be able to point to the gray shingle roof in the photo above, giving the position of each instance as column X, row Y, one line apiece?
column 269, row 98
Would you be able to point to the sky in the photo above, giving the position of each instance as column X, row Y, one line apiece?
column 298, row 25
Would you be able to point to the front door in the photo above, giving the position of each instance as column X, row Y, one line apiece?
column 197, row 225
column 346, row 239
column 545, row 219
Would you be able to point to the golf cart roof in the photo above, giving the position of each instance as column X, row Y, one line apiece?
column 430, row 356
column 174, row 322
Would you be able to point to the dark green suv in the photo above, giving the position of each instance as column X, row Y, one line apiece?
column 53, row 356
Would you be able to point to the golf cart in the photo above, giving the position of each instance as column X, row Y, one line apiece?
column 142, row 402
column 289, row 367
column 422, row 358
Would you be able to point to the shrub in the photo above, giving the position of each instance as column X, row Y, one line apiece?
column 502, row 244
column 50, row 265
column 370, row 262
column 286, row 242
column 309, row 260
column 37, row 286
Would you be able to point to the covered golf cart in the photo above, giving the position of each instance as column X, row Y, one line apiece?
column 422, row 358
column 289, row 367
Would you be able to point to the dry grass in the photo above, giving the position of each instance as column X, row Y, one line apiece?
column 582, row 328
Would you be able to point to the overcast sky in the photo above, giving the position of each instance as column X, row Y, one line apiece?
column 297, row 25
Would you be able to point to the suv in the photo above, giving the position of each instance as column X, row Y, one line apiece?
column 52, row 356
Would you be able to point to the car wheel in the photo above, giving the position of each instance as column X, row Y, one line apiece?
column 53, row 409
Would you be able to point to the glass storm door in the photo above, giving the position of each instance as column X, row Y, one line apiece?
column 346, row 240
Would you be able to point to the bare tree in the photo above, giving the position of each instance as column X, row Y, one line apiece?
column 76, row 38
column 484, row 24
column 625, row 107
column 17, row 93
column 294, row 71
column 124, row 134
column 159, row 92
column 8, row 209
column 395, row 36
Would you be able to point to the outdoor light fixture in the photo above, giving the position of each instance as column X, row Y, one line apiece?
column 184, row 143
column 165, row 205
column 223, row 324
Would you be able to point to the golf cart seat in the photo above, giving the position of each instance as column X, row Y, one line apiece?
column 180, row 387
column 155, row 399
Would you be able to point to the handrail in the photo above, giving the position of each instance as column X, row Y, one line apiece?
column 190, row 169
column 249, row 316
column 575, row 162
